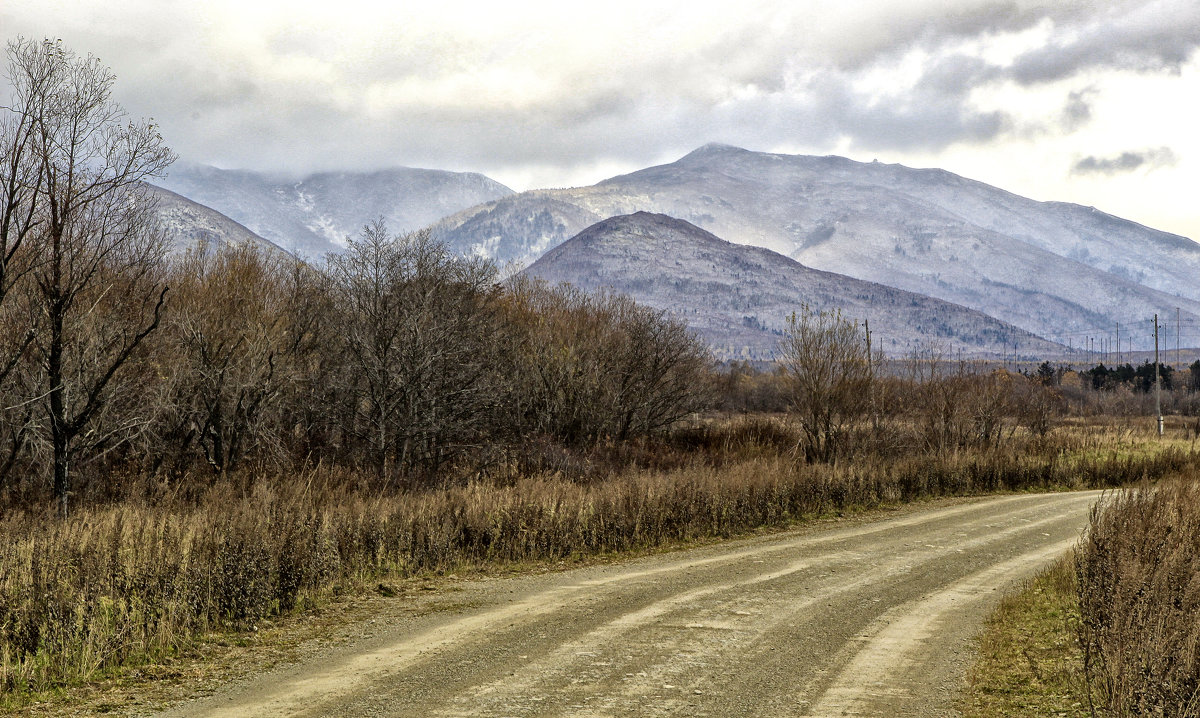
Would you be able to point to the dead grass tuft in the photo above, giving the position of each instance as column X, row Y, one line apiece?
column 1139, row 595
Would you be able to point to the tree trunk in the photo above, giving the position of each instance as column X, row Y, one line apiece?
column 60, row 431
column 60, row 436
column 62, row 476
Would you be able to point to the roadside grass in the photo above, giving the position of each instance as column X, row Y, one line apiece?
column 1029, row 662
column 159, row 575
column 1111, row 630
column 1138, row 571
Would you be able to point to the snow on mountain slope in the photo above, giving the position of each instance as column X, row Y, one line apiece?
column 189, row 225
column 315, row 214
column 1050, row 268
column 739, row 297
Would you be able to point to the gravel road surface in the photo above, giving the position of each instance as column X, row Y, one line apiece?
column 872, row 618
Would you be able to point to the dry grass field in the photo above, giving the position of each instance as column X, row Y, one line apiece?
column 133, row 580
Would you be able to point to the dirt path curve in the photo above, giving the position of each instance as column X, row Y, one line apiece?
column 869, row 619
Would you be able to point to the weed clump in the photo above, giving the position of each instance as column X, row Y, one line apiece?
column 1139, row 596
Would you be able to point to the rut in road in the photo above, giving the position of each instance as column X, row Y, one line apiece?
column 869, row 619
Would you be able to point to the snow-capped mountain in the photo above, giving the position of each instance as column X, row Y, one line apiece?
column 1050, row 268
column 315, row 214
column 739, row 297
column 189, row 225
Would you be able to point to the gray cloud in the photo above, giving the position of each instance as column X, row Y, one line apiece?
column 1077, row 111
column 296, row 95
column 930, row 24
column 1125, row 162
column 1153, row 37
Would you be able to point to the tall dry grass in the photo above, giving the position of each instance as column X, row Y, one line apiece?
column 139, row 578
column 1139, row 597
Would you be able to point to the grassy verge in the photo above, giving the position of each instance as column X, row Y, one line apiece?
column 1139, row 598
column 135, row 583
column 1029, row 661
column 1111, row 632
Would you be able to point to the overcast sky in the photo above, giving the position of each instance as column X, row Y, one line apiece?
column 1085, row 101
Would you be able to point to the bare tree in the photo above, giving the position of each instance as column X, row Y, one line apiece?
column 20, row 185
column 828, row 369
column 228, row 339
column 563, row 364
column 659, row 369
column 97, row 292
column 595, row 366
column 416, row 321
column 310, row 392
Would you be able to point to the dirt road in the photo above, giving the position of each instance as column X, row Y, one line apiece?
column 874, row 618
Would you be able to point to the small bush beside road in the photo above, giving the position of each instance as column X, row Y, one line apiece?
column 1114, row 629
column 1139, row 598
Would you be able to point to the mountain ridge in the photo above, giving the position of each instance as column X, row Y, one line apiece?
column 188, row 224
column 738, row 297
column 1059, row 270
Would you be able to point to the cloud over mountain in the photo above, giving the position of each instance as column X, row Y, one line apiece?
column 1126, row 161
column 317, row 87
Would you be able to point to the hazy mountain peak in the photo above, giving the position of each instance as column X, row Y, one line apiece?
column 314, row 214
column 189, row 225
column 714, row 148
column 653, row 224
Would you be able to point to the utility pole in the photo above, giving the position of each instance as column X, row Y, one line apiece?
column 867, row 331
column 1176, row 338
column 871, row 374
column 1118, row 343
column 1157, row 383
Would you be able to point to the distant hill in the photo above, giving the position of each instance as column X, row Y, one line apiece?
column 188, row 224
column 738, row 297
column 1051, row 268
column 315, row 214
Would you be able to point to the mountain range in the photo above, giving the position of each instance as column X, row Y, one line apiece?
column 1050, row 269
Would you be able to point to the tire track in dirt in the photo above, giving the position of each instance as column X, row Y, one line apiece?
column 888, row 669
column 803, row 623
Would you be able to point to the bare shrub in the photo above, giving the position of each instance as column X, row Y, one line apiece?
column 829, row 376
column 597, row 366
column 1036, row 404
column 741, row 387
column 1139, row 595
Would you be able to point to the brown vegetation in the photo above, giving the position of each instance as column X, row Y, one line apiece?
column 1139, row 598
column 138, row 578
column 269, row 431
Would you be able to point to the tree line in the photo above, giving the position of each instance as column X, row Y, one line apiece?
column 398, row 359
column 396, row 356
